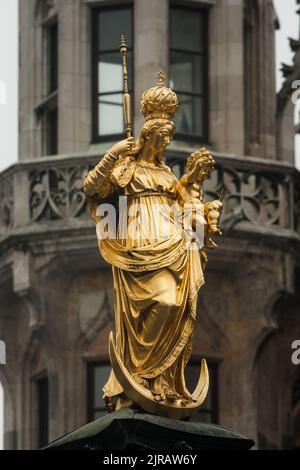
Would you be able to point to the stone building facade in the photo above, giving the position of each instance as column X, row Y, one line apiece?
column 56, row 294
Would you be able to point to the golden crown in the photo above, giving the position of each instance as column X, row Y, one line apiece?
column 159, row 101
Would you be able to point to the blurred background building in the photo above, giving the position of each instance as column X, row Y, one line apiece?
column 56, row 292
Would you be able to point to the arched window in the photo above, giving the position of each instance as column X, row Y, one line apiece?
column 39, row 393
column 41, row 384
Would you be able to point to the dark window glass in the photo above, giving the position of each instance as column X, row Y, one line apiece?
column 43, row 411
column 187, row 72
column 187, row 27
column 188, row 58
column 52, row 131
column 109, row 24
column 98, row 374
column 190, row 118
column 53, row 57
column 48, row 109
column 113, row 23
column 208, row 412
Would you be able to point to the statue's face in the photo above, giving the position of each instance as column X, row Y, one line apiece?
column 161, row 137
column 205, row 172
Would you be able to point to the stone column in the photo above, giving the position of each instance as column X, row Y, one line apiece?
column 74, row 103
column 29, row 82
column 151, row 44
column 21, row 194
column 226, row 77
column 10, row 431
column 285, row 133
column 260, row 95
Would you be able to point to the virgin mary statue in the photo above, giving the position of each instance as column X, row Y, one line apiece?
column 156, row 274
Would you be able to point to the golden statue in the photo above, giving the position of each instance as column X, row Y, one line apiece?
column 157, row 264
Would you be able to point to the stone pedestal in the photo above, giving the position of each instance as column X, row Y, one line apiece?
column 129, row 429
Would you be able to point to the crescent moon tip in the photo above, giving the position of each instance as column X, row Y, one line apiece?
column 144, row 398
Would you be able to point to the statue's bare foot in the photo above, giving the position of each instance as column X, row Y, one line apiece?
column 159, row 397
column 172, row 396
column 184, row 402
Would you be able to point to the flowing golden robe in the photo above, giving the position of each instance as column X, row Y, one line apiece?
column 156, row 275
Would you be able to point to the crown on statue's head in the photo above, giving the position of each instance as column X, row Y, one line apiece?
column 159, row 101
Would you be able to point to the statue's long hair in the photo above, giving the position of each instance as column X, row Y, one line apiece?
column 147, row 128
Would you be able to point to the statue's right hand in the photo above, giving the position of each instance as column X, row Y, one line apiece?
column 123, row 146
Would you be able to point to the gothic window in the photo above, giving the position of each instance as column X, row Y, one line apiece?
column 188, row 70
column 97, row 376
column 42, row 393
column 108, row 25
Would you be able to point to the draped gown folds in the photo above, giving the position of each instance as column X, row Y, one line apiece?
column 156, row 276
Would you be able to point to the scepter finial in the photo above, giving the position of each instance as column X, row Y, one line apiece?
column 161, row 78
column 123, row 45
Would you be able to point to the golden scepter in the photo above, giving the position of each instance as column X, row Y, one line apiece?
column 126, row 96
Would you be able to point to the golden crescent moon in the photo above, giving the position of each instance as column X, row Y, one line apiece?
column 144, row 398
